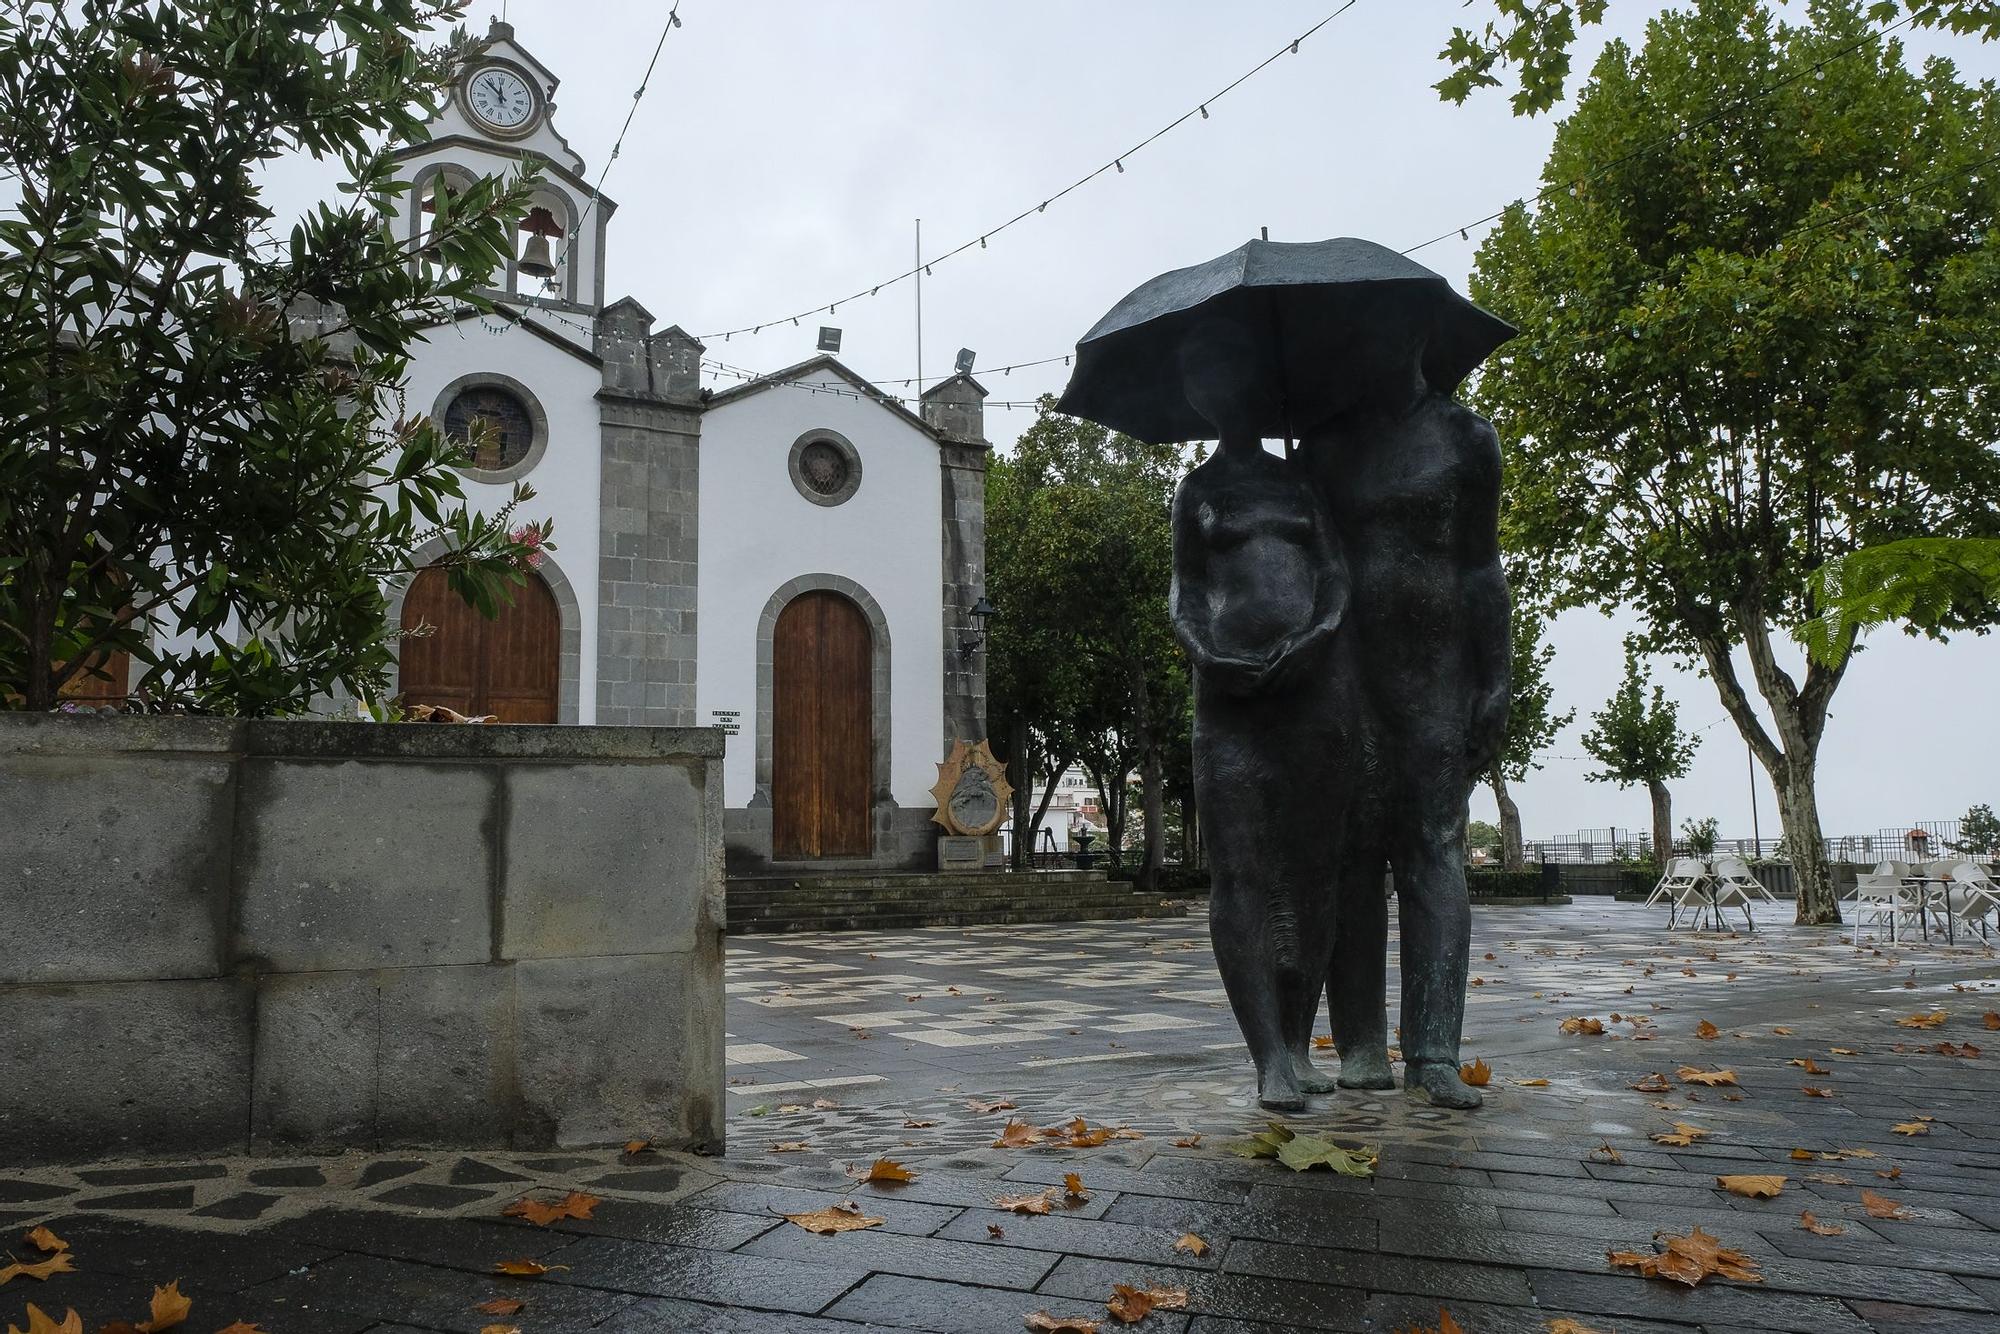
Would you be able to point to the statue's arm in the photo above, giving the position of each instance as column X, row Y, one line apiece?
column 1488, row 610
column 1187, row 603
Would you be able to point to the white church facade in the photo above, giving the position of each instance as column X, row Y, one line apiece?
column 794, row 558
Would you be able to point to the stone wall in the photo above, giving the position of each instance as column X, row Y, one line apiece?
column 219, row 936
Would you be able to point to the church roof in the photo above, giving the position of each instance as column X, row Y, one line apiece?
column 814, row 366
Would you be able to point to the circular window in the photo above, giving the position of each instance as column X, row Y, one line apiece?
column 825, row 467
column 497, row 421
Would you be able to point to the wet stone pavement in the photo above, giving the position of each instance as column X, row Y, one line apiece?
column 845, row 1048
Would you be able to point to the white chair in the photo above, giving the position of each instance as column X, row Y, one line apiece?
column 1735, row 871
column 1887, row 897
column 1973, row 895
column 1728, row 893
column 1679, row 870
column 1688, row 889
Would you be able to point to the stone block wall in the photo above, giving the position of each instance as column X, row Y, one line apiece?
column 219, row 936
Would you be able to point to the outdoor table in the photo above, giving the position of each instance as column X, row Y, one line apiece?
column 1933, row 891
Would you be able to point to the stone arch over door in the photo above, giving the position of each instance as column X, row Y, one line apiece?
column 569, row 660
column 882, row 801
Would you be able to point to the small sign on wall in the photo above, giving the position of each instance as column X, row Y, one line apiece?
column 729, row 720
column 959, row 852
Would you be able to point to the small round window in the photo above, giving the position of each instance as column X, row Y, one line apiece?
column 825, row 467
column 493, row 423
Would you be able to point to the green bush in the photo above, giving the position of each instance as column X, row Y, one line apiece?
column 1486, row 883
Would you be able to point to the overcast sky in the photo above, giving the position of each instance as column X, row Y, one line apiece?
column 785, row 147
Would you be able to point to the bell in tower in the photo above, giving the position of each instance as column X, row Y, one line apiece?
column 537, row 259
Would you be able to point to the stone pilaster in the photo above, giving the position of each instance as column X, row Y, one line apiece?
column 953, row 410
column 649, row 414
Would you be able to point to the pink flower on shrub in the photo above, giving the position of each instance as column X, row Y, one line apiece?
column 529, row 536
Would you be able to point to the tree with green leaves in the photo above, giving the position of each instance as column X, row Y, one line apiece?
column 201, row 426
column 1978, row 833
column 1532, row 724
column 1482, row 836
column 1533, row 38
column 1636, row 738
column 1750, row 349
column 1924, row 584
column 1079, row 557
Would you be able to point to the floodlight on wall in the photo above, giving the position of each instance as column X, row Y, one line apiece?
column 964, row 363
column 829, row 339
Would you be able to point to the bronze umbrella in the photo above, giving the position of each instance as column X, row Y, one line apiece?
column 1323, row 309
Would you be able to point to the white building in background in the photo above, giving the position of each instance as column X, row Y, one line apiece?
column 793, row 558
column 1075, row 804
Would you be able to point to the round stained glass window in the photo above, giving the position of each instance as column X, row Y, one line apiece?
column 493, row 423
column 823, row 467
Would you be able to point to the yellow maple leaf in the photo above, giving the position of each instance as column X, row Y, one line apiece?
column 1811, row 1224
column 1752, row 1186
column 1073, row 1187
column 885, row 1170
column 1706, row 1078
column 525, row 1268
column 836, row 1218
column 1041, row 1322
column 576, row 1204
column 1706, row 1031
column 1192, row 1244
column 59, row 1263
column 1881, row 1206
column 1476, row 1073
column 40, row 1323
column 1911, row 1128
column 1935, row 1019
column 45, row 1241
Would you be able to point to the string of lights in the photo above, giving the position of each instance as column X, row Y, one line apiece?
column 1116, row 164
column 618, row 144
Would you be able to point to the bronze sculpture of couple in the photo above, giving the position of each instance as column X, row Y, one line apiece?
column 1345, row 612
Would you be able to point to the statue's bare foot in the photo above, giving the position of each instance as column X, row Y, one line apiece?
column 1438, row 1084
column 1366, row 1068
column 1311, row 1078
column 1278, row 1089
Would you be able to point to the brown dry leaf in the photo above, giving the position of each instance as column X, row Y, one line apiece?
column 247, row 1327
column 1911, row 1128
column 1706, row 1078
column 45, row 1241
column 1881, row 1206
column 1811, row 1224
column 1829, row 1178
column 1935, row 1019
column 1041, row 1322
column 1562, row 1324
column 1323, row 1042
column 1604, row 1153
column 792, row 1146
column 637, row 1146
column 1810, row 1066
column 824, row 1104
column 1130, row 1305
column 842, row 1217
column 995, row 1231
column 525, row 1268
column 59, row 1263
column 1752, row 1187
column 1680, row 1137
column 40, row 1323
column 1192, row 1244
column 1844, row 1051
column 1476, row 1073
column 576, row 1204
column 1532, row 1083
column 1018, row 1134
column 1653, row 1083
column 1706, row 1031
column 1803, row 1155
column 1888, row 1173
column 1189, row 1142
column 1025, row 1204
column 1991, row 1019
column 500, row 1306
column 499, row 1329
column 1690, row 1259
column 168, row 1308
column 1073, row 1187
column 988, row 1108
column 1583, row 1027
column 1815, row 1091
column 1967, row 1050
column 918, row 1125
column 884, row 1169
column 1780, row 1031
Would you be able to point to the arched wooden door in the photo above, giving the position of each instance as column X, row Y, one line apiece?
column 822, row 738
column 509, row 666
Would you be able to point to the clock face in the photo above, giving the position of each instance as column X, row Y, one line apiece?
column 500, row 97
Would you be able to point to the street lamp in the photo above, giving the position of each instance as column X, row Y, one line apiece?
column 980, row 613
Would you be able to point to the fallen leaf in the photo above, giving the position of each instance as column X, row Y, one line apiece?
column 1829, row 1178
column 1888, row 1173
column 1991, row 1019
column 1706, row 1078
column 1690, row 1259
column 168, row 1308
column 1966, row 1049
column 1811, row 1224
column 1814, row 1091
column 1706, row 1031
column 1532, row 1083
column 1752, row 1187
column 1604, row 1153
column 1803, row 1155
column 792, row 1146
column 576, row 1204
column 843, row 1217
column 59, row 1263
column 1041, row 1322
column 1911, row 1128
column 1073, row 1187
column 1780, row 1031
column 1192, row 1244
column 500, row 1306
column 1188, row 1143
column 247, row 1327
column 1653, row 1083
column 1477, row 1073
column 637, row 1146
column 499, row 1329
column 39, row 1323
column 1810, row 1066
column 45, row 1241
column 994, row 1231
column 1025, row 1204
column 1562, row 1324
column 918, row 1125
column 1018, row 1134
column 1323, row 1042
column 1583, row 1027
column 885, row 1169
column 987, row 1108
column 1881, row 1206
column 1680, row 1137
column 1935, row 1019
column 525, row 1268
column 1130, row 1305
column 1844, row 1051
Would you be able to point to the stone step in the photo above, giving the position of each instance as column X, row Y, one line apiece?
column 820, row 911
column 889, row 880
column 899, row 919
column 923, row 893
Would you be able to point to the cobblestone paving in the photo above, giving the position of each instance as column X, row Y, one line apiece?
column 861, row 1045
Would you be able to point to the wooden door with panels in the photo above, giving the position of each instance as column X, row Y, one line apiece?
column 509, row 666
column 822, row 729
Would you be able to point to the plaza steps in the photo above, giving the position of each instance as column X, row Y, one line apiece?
column 889, row 902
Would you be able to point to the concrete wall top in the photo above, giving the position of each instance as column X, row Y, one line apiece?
column 55, row 734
